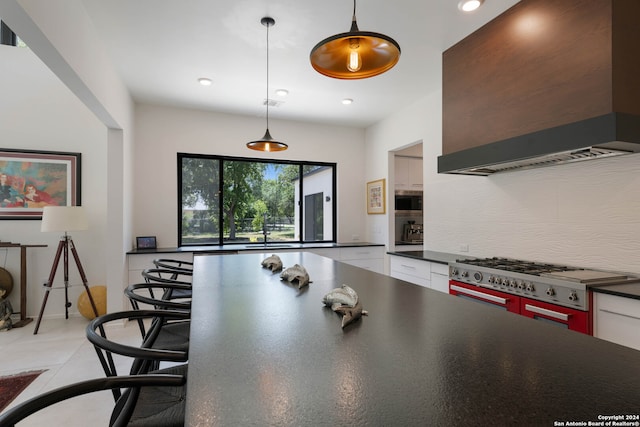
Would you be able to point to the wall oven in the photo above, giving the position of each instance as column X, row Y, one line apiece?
column 550, row 293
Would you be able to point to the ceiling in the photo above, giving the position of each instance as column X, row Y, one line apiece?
column 162, row 47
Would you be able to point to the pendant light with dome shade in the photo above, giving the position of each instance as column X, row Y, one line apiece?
column 355, row 54
column 267, row 143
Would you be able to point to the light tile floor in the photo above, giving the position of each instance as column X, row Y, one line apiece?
column 61, row 347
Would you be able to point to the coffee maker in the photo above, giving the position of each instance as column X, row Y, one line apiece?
column 412, row 232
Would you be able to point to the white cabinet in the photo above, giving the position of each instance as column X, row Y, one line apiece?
column 333, row 253
column 617, row 319
column 408, row 173
column 367, row 257
column 410, row 270
column 440, row 277
column 425, row 273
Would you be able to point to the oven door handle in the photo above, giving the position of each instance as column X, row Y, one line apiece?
column 478, row 294
column 546, row 312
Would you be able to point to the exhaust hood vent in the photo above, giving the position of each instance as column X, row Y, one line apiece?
column 564, row 90
column 610, row 135
column 572, row 156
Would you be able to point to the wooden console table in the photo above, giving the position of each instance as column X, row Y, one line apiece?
column 23, row 279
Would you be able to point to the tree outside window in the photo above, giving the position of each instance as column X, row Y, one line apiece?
column 226, row 200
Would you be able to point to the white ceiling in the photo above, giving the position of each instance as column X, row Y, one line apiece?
column 161, row 48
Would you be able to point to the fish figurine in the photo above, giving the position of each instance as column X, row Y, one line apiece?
column 297, row 273
column 273, row 263
column 344, row 300
column 344, row 295
column 350, row 314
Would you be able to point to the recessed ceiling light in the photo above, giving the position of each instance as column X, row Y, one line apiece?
column 347, row 101
column 205, row 81
column 469, row 5
column 282, row 92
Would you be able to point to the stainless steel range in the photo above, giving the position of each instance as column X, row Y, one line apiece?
column 555, row 293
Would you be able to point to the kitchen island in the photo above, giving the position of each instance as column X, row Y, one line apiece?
column 264, row 352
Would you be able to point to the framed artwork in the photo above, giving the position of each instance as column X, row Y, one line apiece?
column 146, row 242
column 376, row 201
column 31, row 180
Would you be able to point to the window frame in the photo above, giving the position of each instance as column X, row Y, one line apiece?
column 221, row 158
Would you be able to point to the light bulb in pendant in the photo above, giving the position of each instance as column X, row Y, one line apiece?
column 354, row 61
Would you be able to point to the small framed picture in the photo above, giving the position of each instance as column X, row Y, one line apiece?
column 376, row 197
column 146, row 242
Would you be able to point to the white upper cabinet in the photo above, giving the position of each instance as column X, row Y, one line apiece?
column 408, row 173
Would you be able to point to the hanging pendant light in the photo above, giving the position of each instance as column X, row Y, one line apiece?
column 267, row 143
column 356, row 54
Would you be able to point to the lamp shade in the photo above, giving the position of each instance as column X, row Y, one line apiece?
column 267, row 143
column 64, row 218
column 377, row 54
column 355, row 54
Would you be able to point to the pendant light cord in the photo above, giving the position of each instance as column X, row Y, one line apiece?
column 268, row 25
column 354, row 23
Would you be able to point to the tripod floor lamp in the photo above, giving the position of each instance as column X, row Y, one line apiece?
column 65, row 219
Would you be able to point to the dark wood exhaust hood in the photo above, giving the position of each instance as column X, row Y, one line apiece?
column 546, row 82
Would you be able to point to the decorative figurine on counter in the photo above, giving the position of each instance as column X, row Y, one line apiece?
column 344, row 295
column 351, row 314
column 5, row 312
column 297, row 273
column 344, row 300
column 273, row 263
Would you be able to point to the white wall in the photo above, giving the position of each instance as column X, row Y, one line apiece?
column 39, row 113
column 584, row 214
column 161, row 132
column 62, row 36
column 420, row 122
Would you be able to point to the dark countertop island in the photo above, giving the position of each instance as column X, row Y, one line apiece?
column 263, row 352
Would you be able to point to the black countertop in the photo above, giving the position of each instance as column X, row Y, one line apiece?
column 628, row 290
column 263, row 352
column 239, row 248
column 433, row 256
